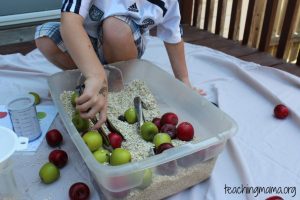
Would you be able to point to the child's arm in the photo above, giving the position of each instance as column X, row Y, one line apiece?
column 94, row 98
column 177, row 60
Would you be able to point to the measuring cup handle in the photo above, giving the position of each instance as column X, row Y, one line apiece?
column 22, row 143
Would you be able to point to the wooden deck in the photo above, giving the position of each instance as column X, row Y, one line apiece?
column 198, row 37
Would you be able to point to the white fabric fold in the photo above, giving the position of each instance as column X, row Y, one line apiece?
column 265, row 150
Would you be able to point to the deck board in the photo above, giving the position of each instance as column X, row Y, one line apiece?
column 263, row 58
column 199, row 37
column 23, row 48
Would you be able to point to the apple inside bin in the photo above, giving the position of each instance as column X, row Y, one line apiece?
column 117, row 183
column 190, row 160
column 168, row 169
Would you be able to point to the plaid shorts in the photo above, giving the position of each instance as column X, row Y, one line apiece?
column 51, row 30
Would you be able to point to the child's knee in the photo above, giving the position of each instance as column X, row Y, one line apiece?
column 116, row 31
column 46, row 45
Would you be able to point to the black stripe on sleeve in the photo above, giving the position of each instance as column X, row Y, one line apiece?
column 69, row 5
column 160, row 4
column 77, row 6
column 64, row 5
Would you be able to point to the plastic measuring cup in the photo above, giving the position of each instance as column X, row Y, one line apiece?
column 9, row 143
column 23, row 116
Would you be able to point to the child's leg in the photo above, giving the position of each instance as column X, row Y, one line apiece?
column 49, row 42
column 118, row 43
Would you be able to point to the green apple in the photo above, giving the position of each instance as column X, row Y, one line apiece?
column 130, row 116
column 101, row 155
column 49, row 173
column 119, row 156
column 81, row 124
column 148, row 131
column 147, row 179
column 74, row 96
column 93, row 140
column 37, row 98
column 161, row 138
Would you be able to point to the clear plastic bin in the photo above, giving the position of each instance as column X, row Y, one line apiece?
column 177, row 168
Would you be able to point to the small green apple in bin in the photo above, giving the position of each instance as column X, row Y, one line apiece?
column 101, row 155
column 148, row 131
column 119, row 156
column 81, row 124
column 147, row 179
column 161, row 138
column 130, row 116
column 74, row 96
column 93, row 140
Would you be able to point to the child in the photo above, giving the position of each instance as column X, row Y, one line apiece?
column 95, row 32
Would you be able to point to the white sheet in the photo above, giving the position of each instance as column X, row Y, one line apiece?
column 264, row 152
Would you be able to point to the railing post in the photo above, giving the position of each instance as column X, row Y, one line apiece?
column 197, row 12
column 298, row 59
column 267, row 29
column 207, row 15
column 219, row 16
column 287, row 27
column 235, row 19
column 248, row 22
column 186, row 9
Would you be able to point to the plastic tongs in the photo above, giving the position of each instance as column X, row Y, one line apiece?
column 138, row 106
column 115, row 80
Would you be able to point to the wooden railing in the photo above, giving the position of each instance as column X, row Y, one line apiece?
column 269, row 25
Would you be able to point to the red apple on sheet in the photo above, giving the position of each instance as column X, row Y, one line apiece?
column 3, row 114
column 79, row 191
column 54, row 138
column 58, row 157
column 281, row 111
column 274, row 198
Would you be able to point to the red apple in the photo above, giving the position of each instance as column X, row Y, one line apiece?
column 58, row 157
column 170, row 129
column 281, row 111
column 114, row 195
column 54, row 137
column 192, row 159
column 163, row 147
column 79, row 191
column 3, row 114
column 167, row 169
column 274, row 198
column 169, row 118
column 185, row 131
column 115, row 140
column 156, row 121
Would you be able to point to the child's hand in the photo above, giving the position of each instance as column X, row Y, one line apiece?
column 94, row 100
column 199, row 91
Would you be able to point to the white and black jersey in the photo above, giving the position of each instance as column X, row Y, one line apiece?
column 164, row 14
